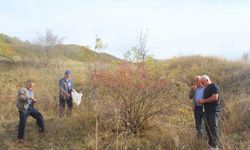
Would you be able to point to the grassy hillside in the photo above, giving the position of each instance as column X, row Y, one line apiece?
column 89, row 128
column 16, row 50
column 84, row 54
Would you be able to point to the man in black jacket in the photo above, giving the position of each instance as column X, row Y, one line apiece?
column 211, row 104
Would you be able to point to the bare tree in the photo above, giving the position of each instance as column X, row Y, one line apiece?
column 139, row 53
column 46, row 47
column 127, row 56
column 48, row 39
column 245, row 56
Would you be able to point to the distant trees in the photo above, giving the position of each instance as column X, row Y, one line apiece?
column 139, row 52
column 99, row 44
column 47, row 47
column 48, row 39
column 245, row 56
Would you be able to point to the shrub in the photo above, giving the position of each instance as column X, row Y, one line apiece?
column 129, row 95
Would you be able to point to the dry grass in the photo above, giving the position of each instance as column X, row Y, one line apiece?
column 172, row 129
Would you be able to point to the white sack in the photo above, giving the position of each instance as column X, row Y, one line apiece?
column 77, row 97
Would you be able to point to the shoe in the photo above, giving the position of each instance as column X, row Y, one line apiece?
column 213, row 148
column 40, row 130
column 21, row 141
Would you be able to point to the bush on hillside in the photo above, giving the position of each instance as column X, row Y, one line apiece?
column 129, row 95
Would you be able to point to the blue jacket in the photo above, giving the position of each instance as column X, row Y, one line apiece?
column 65, row 87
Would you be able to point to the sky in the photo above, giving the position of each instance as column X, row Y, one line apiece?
column 174, row 27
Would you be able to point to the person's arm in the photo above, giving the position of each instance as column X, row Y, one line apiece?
column 61, row 87
column 212, row 98
column 71, row 85
column 33, row 98
column 21, row 96
column 191, row 93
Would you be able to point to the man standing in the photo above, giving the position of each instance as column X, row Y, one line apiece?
column 196, row 93
column 65, row 87
column 25, row 105
column 212, row 109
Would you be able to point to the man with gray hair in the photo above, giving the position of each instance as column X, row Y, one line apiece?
column 196, row 93
column 211, row 104
column 25, row 105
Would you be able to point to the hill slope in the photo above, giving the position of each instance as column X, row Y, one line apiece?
column 15, row 49
column 172, row 129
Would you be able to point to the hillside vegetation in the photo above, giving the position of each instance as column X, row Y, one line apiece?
column 113, row 91
column 16, row 50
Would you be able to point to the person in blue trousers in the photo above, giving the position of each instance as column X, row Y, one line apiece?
column 25, row 105
column 196, row 93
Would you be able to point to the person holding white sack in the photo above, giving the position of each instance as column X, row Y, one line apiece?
column 65, row 96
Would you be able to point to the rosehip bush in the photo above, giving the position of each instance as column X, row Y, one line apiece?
column 129, row 95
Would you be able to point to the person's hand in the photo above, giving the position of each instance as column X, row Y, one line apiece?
column 67, row 95
column 194, row 87
column 33, row 100
column 201, row 101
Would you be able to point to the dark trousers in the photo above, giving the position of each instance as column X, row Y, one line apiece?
column 62, row 102
column 198, row 116
column 23, row 115
column 212, row 123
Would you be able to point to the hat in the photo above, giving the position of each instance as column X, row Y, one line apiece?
column 67, row 72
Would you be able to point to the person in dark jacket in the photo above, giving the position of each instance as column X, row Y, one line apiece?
column 25, row 105
column 212, row 108
column 65, row 89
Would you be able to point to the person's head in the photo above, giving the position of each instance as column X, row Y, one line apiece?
column 30, row 84
column 205, row 80
column 67, row 74
column 197, row 80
